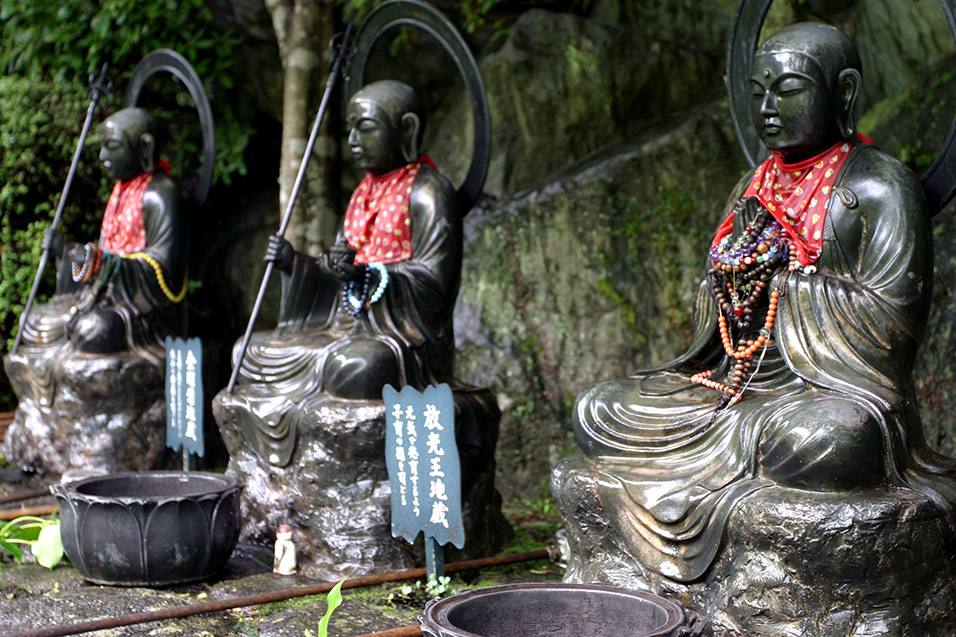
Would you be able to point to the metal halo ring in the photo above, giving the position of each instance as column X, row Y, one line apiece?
column 426, row 17
column 172, row 62
column 939, row 180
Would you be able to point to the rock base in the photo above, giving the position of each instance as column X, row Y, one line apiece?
column 795, row 563
column 335, row 494
column 92, row 412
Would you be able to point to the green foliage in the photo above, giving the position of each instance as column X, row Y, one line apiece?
column 474, row 14
column 50, row 49
column 41, row 535
column 333, row 601
column 417, row 595
column 72, row 40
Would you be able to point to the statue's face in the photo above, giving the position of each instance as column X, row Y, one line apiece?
column 793, row 108
column 118, row 153
column 376, row 144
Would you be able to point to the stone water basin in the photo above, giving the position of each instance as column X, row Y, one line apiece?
column 149, row 528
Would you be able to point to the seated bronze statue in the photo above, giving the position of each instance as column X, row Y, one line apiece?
column 377, row 308
column 117, row 296
column 126, row 289
column 807, row 326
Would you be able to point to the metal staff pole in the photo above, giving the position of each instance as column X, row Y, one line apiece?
column 95, row 93
column 341, row 54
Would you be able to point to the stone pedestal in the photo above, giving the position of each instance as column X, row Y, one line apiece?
column 88, row 411
column 335, row 494
column 794, row 562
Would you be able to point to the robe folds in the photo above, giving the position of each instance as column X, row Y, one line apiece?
column 832, row 407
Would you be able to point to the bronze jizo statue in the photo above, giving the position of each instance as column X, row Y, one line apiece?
column 807, row 325
column 96, row 349
column 377, row 308
column 305, row 424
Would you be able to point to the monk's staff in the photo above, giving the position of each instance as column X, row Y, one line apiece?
column 341, row 51
column 99, row 87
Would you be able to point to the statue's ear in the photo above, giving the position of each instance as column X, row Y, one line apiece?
column 848, row 86
column 411, row 126
column 147, row 152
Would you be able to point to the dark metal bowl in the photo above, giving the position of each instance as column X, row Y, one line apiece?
column 149, row 528
column 555, row 610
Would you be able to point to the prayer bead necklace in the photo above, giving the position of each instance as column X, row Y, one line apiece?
column 742, row 272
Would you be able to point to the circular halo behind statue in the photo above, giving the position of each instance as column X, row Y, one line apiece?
column 167, row 60
column 939, row 180
column 426, row 17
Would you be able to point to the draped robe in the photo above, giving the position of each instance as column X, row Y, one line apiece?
column 831, row 408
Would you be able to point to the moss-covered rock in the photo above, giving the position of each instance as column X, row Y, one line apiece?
column 562, row 87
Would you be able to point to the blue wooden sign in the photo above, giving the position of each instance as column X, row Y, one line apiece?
column 423, row 468
column 184, row 395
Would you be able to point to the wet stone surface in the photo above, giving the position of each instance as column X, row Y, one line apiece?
column 33, row 597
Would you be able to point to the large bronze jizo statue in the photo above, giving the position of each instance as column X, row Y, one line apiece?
column 807, row 326
column 377, row 308
column 305, row 423
column 89, row 371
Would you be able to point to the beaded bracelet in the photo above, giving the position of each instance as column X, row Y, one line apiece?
column 357, row 304
column 90, row 266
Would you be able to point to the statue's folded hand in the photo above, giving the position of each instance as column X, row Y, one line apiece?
column 341, row 266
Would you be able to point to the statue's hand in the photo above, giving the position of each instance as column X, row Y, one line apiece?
column 280, row 252
column 52, row 241
column 341, row 264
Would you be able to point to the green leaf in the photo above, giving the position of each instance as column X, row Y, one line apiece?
column 12, row 549
column 48, row 549
column 333, row 600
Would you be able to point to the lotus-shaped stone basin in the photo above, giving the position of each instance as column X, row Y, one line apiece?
column 555, row 610
column 149, row 528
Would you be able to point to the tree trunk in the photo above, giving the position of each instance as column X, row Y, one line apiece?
column 303, row 29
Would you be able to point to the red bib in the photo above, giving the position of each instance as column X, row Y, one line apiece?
column 377, row 223
column 798, row 196
column 123, row 229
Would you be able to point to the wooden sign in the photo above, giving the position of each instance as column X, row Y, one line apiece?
column 423, row 468
column 184, row 395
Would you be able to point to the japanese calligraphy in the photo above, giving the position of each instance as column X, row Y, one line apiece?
column 422, row 457
column 184, row 395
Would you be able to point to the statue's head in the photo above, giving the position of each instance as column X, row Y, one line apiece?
column 130, row 143
column 386, row 122
column 805, row 82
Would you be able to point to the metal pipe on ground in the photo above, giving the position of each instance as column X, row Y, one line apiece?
column 408, row 631
column 38, row 511
column 26, row 495
column 276, row 596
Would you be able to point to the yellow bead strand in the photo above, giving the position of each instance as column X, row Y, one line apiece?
column 175, row 298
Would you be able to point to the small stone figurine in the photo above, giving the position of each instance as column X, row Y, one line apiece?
column 284, row 563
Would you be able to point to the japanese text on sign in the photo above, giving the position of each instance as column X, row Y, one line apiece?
column 184, row 395
column 423, row 467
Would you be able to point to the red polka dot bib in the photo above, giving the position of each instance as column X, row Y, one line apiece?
column 123, row 230
column 377, row 222
column 798, row 196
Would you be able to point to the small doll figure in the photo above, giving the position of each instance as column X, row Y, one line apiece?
column 284, row 563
